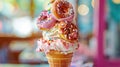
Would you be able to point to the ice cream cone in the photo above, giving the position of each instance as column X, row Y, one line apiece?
column 56, row 59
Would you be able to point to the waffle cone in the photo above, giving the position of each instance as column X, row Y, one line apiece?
column 56, row 59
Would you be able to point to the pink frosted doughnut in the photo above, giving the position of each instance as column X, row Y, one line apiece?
column 46, row 20
column 62, row 10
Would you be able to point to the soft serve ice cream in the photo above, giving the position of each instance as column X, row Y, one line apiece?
column 60, row 34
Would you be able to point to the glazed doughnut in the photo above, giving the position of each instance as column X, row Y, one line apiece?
column 62, row 10
column 68, row 31
column 46, row 20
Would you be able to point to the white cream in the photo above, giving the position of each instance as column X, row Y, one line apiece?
column 58, row 44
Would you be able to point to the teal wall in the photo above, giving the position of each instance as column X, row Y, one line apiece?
column 85, row 22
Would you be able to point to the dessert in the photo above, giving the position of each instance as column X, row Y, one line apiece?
column 60, row 34
column 68, row 31
column 62, row 10
column 45, row 20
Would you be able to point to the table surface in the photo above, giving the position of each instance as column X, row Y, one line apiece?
column 23, row 65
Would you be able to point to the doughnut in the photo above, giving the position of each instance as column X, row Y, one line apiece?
column 68, row 31
column 46, row 20
column 62, row 10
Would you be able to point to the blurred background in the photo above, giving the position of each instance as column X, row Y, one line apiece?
column 18, row 32
column 112, row 30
